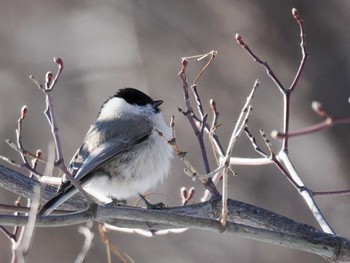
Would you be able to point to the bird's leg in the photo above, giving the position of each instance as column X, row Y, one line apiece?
column 117, row 202
column 152, row 206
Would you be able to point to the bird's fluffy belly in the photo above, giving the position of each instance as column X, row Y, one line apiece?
column 141, row 172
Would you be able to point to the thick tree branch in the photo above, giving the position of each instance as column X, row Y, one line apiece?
column 24, row 186
column 249, row 221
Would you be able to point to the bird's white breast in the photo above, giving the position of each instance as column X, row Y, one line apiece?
column 148, row 166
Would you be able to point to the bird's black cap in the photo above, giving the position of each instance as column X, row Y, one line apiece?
column 135, row 96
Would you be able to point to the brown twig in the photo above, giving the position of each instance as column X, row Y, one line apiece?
column 190, row 170
column 187, row 195
column 212, row 55
column 50, row 83
column 271, row 155
column 190, row 116
column 329, row 121
column 88, row 234
column 110, row 247
column 20, row 149
column 286, row 92
column 21, row 236
column 282, row 160
column 340, row 192
column 269, row 71
column 300, row 22
column 225, row 161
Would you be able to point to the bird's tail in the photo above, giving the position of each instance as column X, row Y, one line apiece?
column 58, row 199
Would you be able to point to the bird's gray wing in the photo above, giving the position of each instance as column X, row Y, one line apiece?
column 105, row 140
column 78, row 159
column 118, row 136
column 104, row 153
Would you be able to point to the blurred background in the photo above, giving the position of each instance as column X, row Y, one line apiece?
column 107, row 45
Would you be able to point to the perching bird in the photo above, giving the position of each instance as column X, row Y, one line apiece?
column 123, row 154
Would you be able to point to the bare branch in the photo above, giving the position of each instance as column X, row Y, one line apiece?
column 189, row 114
column 319, row 110
column 86, row 231
column 269, row 71
column 303, row 237
column 50, row 83
column 340, row 192
column 300, row 22
column 305, row 193
column 21, row 247
column 110, row 247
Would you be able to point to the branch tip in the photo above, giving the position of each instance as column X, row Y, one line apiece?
column 24, row 111
column 213, row 104
column 239, row 39
column 275, row 134
column 296, row 14
column 184, row 63
column 318, row 108
column 39, row 153
column 172, row 121
column 183, row 191
column 182, row 154
column 48, row 77
column 58, row 61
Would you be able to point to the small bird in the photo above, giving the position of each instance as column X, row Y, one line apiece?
column 123, row 154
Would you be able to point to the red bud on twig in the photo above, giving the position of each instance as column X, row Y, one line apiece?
column 39, row 153
column 24, row 111
column 183, row 191
column 239, row 39
column 213, row 104
column 58, row 61
column 295, row 14
column 318, row 108
column 48, row 77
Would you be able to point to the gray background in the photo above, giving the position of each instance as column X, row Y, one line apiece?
column 110, row 44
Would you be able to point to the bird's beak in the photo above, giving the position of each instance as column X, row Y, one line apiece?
column 157, row 103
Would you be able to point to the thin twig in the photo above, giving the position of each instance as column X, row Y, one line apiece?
column 20, row 149
column 21, row 247
column 328, row 193
column 189, row 170
column 24, row 111
column 89, row 236
column 305, row 193
column 189, row 114
column 212, row 54
column 249, row 161
column 26, row 233
column 110, row 247
column 329, row 121
column 241, row 123
column 255, row 145
column 269, row 71
column 303, row 49
column 25, row 152
column 50, row 83
column 282, row 160
column 238, row 129
column 273, row 159
column 187, row 195
column 283, row 163
column 202, row 123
